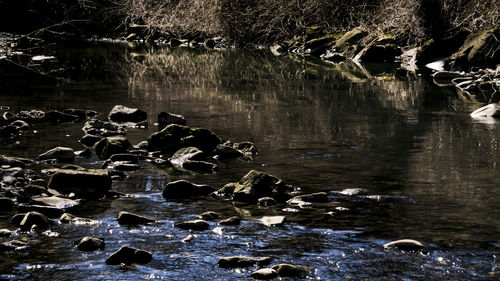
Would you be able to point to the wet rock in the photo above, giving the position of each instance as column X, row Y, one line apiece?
column 198, row 225
column 333, row 57
column 49, row 211
column 231, row 221
column 99, row 128
column 128, row 255
column 266, row 201
column 133, row 219
column 265, row 274
column 168, row 139
column 203, row 139
column 243, row 261
column 33, row 189
column 56, row 202
column 209, row 216
column 17, row 218
column 34, row 218
column 125, row 157
column 60, row 117
column 273, row 220
column 6, row 204
column 92, row 183
column 121, row 114
column 317, row 46
column 112, row 145
column 89, row 140
column 290, row 270
column 72, row 167
column 11, row 161
column 89, row 244
column 490, row 110
column 378, row 53
column 255, row 185
column 447, row 75
column 62, row 154
column 227, row 151
column 182, row 189
column 199, row 166
column 124, row 166
column 246, row 148
column 187, row 153
column 405, row 245
column 165, row 119
column 5, row 232
column 66, row 218
column 20, row 125
column 318, row 197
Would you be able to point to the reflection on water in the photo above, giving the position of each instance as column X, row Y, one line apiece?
column 428, row 171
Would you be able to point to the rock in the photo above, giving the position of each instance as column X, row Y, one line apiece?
column 5, row 247
column 405, row 245
column 318, row 197
column 169, row 138
column 98, row 127
column 319, row 45
column 165, row 118
column 124, row 166
column 33, row 189
column 89, row 244
column 133, row 219
column 193, row 225
column 230, row 221
column 477, row 49
column 121, row 114
column 243, row 261
column 225, row 151
column 348, row 44
column 56, row 202
column 266, row 201
column 203, row 139
column 11, row 161
column 209, row 216
column 182, row 189
column 490, row 110
column 185, row 154
column 247, row 148
column 5, row 232
column 273, row 220
column 112, row 145
column 92, row 183
column 6, row 204
column 289, row 270
column 82, row 114
column 60, row 117
column 128, row 157
column 34, row 218
column 20, row 125
column 66, row 218
column 128, row 255
column 89, row 140
column 433, row 50
column 378, row 53
column 49, row 211
column 62, row 154
column 255, row 185
column 333, row 57
column 199, row 166
column 265, row 274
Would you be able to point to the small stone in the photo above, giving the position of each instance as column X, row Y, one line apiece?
column 121, row 113
column 132, row 219
column 66, row 218
column 406, row 245
column 193, row 225
column 230, row 221
column 243, row 261
column 265, row 274
column 209, row 216
column 128, row 255
column 55, row 202
column 125, row 167
column 89, row 244
column 125, row 157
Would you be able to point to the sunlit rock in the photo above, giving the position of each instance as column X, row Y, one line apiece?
column 406, row 245
column 243, row 261
column 89, row 244
column 132, row 219
column 121, row 114
column 186, row 153
column 209, row 216
column 230, row 221
column 62, row 154
column 128, row 255
column 490, row 110
column 11, row 161
column 318, row 197
column 265, row 274
column 273, row 220
column 5, row 232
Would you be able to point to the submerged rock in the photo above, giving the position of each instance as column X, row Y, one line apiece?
column 132, row 219
column 182, row 189
column 193, row 225
column 121, row 114
column 406, row 245
column 62, row 154
column 265, row 274
column 92, row 183
column 112, row 145
column 89, row 244
column 128, row 255
column 243, row 261
column 290, row 270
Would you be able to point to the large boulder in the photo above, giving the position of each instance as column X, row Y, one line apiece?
column 128, row 255
column 91, row 183
column 62, row 154
column 479, row 49
column 435, row 49
column 182, row 189
column 121, row 114
column 112, row 145
column 255, row 185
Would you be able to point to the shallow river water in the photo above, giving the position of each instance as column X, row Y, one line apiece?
column 425, row 170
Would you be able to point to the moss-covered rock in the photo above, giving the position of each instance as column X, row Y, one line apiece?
column 479, row 49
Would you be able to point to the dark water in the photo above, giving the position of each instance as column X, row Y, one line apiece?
column 426, row 169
